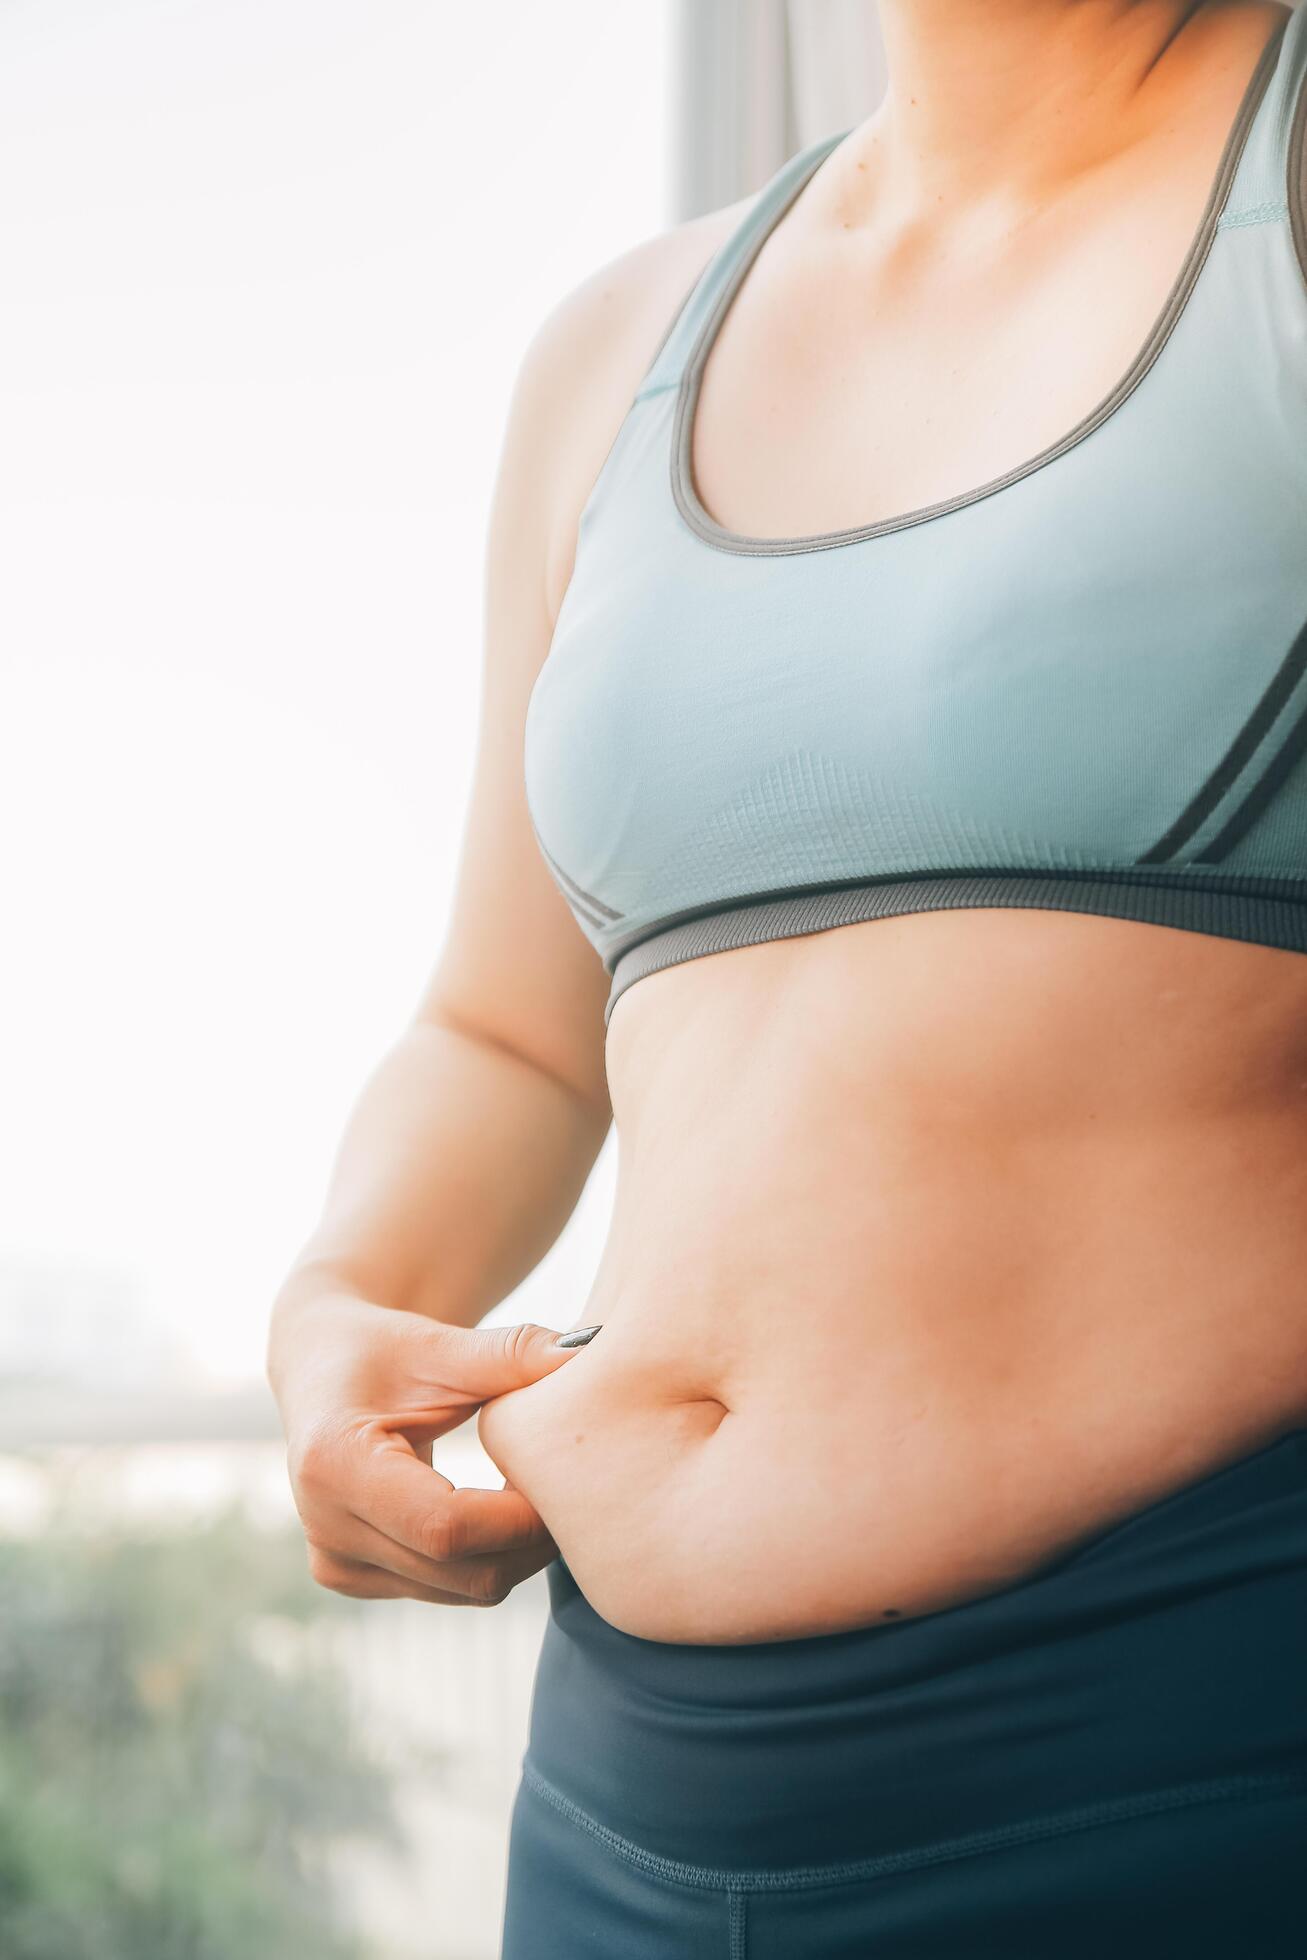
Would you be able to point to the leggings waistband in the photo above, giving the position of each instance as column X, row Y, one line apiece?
column 1164, row 1654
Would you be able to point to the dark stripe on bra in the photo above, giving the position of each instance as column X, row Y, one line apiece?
column 591, row 918
column 1259, row 795
column 1236, row 758
column 577, row 893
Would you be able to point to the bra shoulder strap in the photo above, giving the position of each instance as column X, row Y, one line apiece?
column 1268, row 178
column 736, row 249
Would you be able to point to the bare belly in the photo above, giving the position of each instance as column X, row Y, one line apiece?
column 939, row 1244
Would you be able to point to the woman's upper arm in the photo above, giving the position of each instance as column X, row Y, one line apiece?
column 514, row 966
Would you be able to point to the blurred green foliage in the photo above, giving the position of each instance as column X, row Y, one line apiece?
column 171, row 1788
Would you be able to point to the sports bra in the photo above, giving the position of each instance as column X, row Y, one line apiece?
column 1082, row 686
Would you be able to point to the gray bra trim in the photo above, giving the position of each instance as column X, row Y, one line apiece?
column 682, row 474
column 1298, row 178
column 1266, row 911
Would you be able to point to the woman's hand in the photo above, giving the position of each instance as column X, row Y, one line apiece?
column 363, row 1391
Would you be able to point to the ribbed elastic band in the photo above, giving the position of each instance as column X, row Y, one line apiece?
column 1268, row 912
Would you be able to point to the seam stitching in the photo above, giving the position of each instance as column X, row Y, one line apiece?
column 1256, row 214
column 738, row 1908
column 1239, row 1788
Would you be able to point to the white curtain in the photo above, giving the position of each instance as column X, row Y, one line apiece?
column 836, row 64
column 757, row 80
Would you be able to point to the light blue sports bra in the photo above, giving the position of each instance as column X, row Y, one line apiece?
column 1082, row 686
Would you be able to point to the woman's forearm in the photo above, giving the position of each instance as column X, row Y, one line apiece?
column 460, row 1164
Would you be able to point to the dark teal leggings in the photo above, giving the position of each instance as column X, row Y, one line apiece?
column 1105, row 1760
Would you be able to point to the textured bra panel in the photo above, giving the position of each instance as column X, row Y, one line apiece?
column 1085, row 687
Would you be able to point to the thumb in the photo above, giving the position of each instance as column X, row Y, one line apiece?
column 485, row 1361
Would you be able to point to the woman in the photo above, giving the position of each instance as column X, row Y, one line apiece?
column 905, row 842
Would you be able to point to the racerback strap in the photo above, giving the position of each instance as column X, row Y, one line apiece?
column 728, row 264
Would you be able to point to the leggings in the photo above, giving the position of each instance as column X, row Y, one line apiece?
column 1105, row 1760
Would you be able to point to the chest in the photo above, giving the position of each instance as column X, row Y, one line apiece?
column 847, row 386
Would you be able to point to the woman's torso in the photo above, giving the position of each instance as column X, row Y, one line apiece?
column 940, row 1240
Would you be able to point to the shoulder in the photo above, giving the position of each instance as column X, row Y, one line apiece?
column 588, row 356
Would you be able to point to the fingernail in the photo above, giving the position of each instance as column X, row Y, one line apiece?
column 578, row 1337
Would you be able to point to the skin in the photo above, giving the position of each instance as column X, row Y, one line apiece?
column 999, row 1217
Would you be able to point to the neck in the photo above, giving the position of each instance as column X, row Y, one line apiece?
column 1013, row 99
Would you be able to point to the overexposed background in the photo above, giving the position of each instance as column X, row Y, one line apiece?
column 268, row 273
column 269, row 268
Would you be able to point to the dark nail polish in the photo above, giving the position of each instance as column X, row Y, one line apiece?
column 578, row 1337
